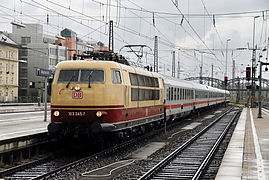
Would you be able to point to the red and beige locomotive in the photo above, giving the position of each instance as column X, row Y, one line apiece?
column 94, row 96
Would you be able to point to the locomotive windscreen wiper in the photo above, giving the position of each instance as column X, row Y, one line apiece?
column 90, row 76
column 69, row 81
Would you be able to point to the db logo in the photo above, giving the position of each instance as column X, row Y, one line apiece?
column 77, row 95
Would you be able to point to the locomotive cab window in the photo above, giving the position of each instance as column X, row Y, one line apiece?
column 68, row 75
column 116, row 77
column 81, row 75
column 92, row 75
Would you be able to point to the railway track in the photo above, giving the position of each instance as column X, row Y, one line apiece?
column 190, row 160
column 49, row 167
column 53, row 167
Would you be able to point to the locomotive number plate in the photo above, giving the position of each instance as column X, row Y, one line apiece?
column 76, row 113
column 77, row 95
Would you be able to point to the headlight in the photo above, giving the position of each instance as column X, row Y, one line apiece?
column 99, row 113
column 56, row 113
column 77, row 88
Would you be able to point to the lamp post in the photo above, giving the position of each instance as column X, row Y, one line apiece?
column 260, row 89
column 253, row 70
column 225, row 76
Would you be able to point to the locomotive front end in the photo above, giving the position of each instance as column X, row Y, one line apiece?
column 85, row 98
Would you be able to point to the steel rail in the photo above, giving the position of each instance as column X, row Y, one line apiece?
column 209, row 156
column 171, row 156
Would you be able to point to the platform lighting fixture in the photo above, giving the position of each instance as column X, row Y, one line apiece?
column 60, row 37
column 18, row 24
column 22, row 61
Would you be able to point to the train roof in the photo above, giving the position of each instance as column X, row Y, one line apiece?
column 106, row 64
column 190, row 84
column 85, row 63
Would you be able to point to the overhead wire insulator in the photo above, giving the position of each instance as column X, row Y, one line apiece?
column 214, row 21
column 153, row 19
column 47, row 18
column 181, row 22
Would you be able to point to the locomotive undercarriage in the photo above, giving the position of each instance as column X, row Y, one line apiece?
column 102, row 135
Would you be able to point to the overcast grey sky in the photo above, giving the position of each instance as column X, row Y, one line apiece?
column 135, row 23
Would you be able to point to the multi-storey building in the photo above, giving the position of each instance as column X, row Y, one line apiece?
column 74, row 44
column 37, row 51
column 8, row 69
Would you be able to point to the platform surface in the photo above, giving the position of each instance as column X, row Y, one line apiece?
column 247, row 156
column 23, row 121
column 20, row 107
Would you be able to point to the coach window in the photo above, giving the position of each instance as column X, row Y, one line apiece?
column 172, row 93
column 116, row 77
column 168, row 94
column 175, row 93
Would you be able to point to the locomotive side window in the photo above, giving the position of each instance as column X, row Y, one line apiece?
column 133, row 79
column 141, row 81
column 116, row 77
column 69, row 75
column 143, row 94
column 156, row 82
column 134, row 94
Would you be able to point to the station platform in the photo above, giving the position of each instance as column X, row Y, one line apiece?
column 22, row 119
column 247, row 155
column 20, row 107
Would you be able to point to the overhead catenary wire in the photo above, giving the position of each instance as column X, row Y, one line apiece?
column 123, row 29
column 214, row 23
column 198, row 34
column 54, row 26
column 191, row 15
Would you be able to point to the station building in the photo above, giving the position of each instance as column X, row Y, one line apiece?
column 37, row 51
column 8, row 69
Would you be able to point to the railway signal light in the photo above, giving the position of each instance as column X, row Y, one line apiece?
column 225, row 80
column 248, row 73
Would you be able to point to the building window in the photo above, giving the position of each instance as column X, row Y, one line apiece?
column 23, row 52
column 53, row 51
column 25, row 40
column 62, row 52
column 23, row 72
column 23, row 83
column 53, row 62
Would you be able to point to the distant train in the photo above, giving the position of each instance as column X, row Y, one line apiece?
column 90, row 97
